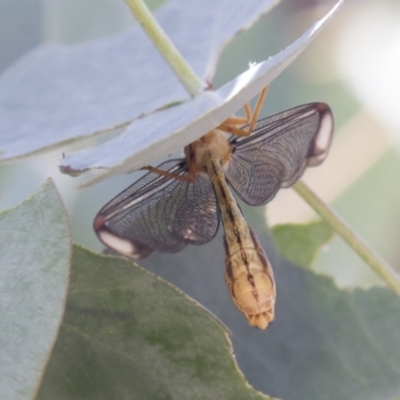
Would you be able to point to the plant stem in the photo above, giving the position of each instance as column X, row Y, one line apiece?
column 380, row 266
column 192, row 83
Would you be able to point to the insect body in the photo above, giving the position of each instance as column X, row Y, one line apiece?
column 182, row 201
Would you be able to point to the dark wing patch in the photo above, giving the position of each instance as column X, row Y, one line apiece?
column 160, row 213
column 277, row 152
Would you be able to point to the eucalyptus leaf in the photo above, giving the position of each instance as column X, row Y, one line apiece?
column 34, row 257
column 58, row 94
column 300, row 243
column 157, row 135
column 129, row 334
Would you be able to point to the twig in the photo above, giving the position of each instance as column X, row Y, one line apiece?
column 192, row 83
column 383, row 269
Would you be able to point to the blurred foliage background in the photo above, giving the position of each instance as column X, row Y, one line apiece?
column 353, row 66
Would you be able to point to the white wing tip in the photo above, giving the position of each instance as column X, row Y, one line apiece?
column 120, row 245
column 323, row 138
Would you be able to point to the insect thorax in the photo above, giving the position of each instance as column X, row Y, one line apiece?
column 213, row 144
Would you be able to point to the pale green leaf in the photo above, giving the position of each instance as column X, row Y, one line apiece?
column 34, row 267
column 300, row 243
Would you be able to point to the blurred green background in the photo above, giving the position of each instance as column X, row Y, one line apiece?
column 351, row 66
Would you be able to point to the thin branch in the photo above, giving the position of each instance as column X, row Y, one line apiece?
column 192, row 83
column 383, row 269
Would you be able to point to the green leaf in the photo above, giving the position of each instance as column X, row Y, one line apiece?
column 34, row 267
column 300, row 243
column 128, row 334
column 325, row 343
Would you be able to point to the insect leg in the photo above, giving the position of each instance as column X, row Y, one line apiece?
column 232, row 129
column 251, row 118
column 257, row 110
column 168, row 174
column 239, row 120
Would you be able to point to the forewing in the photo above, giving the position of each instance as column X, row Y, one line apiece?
column 279, row 149
column 159, row 213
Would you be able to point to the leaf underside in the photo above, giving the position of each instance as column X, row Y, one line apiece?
column 157, row 135
column 99, row 85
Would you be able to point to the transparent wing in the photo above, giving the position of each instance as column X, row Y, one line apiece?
column 159, row 213
column 277, row 152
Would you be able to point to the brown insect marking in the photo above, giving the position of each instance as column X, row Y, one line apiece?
column 243, row 254
column 192, row 154
column 259, row 250
column 221, row 188
column 228, row 264
column 255, row 294
column 227, row 253
column 231, row 216
column 250, row 278
column 237, row 235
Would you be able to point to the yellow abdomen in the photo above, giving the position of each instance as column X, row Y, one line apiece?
column 250, row 280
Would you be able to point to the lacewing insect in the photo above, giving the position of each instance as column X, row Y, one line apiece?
column 182, row 201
